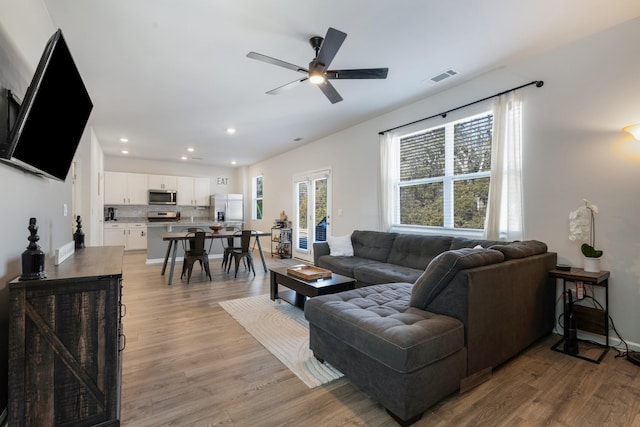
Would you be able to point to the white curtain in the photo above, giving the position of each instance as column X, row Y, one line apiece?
column 386, row 180
column 504, row 218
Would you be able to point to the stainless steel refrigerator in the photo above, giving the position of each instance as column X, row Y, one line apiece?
column 227, row 209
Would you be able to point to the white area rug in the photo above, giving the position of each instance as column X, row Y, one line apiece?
column 282, row 329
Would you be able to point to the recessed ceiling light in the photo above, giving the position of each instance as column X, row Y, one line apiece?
column 124, row 140
column 233, row 162
column 191, row 150
column 231, row 131
column 124, row 152
column 298, row 139
column 183, row 157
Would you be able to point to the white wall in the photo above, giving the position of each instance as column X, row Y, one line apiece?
column 25, row 28
column 574, row 149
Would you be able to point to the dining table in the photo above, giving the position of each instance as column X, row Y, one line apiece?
column 175, row 237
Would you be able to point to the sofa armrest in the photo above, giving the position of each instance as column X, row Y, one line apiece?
column 320, row 249
column 505, row 307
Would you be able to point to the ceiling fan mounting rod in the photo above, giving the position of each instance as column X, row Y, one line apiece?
column 316, row 42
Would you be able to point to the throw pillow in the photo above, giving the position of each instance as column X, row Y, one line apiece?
column 444, row 267
column 340, row 245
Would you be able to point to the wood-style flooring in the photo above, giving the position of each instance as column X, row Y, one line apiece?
column 188, row 363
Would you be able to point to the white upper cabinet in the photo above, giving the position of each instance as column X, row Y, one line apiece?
column 122, row 188
column 163, row 182
column 193, row 191
column 201, row 191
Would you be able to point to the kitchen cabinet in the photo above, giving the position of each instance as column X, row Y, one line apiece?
column 193, row 191
column 162, row 182
column 136, row 237
column 124, row 188
column 114, row 234
column 130, row 235
column 66, row 341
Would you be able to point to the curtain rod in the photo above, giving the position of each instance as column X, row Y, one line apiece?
column 538, row 83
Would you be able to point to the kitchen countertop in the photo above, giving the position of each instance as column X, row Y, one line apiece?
column 185, row 222
column 196, row 222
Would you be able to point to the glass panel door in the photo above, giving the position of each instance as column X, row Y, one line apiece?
column 302, row 217
column 312, row 219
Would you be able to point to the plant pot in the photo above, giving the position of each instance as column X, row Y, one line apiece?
column 592, row 265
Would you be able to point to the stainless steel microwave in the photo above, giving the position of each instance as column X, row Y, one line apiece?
column 163, row 197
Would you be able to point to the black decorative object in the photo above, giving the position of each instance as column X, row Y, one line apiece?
column 33, row 257
column 78, row 236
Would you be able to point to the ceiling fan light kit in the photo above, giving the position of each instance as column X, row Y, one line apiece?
column 318, row 73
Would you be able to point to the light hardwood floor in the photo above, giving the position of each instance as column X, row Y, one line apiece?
column 188, row 363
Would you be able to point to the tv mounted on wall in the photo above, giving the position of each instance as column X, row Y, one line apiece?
column 51, row 118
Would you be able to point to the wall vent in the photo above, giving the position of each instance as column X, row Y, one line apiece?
column 443, row 75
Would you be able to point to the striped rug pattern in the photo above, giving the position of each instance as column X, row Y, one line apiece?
column 282, row 329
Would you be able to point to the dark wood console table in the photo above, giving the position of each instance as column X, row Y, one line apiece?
column 65, row 342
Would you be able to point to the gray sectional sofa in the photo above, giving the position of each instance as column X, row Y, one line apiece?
column 431, row 314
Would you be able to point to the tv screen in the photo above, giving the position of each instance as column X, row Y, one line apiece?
column 52, row 116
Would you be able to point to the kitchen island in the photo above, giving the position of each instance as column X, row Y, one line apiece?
column 176, row 237
column 157, row 248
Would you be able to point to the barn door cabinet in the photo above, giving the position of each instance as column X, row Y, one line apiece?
column 66, row 342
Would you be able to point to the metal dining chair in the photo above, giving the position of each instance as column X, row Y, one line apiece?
column 227, row 249
column 191, row 241
column 229, row 246
column 243, row 252
column 195, row 251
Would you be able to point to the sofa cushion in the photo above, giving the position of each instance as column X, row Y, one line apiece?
column 381, row 272
column 516, row 250
column 463, row 242
column 340, row 245
column 444, row 267
column 378, row 321
column 417, row 251
column 372, row 245
column 343, row 265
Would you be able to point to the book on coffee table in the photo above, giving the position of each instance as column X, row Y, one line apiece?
column 308, row 273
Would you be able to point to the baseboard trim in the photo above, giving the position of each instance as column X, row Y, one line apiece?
column 474, row 380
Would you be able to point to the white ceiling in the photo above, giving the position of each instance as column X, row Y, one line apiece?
column 171, row 74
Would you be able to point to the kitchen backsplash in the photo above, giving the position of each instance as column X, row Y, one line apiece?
column 140, row 211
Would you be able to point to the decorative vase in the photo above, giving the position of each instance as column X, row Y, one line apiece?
column 592, row 265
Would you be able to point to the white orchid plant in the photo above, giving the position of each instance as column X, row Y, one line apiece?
column 582, row 226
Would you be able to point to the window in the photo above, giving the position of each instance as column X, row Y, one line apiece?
column 443, row 175
column 257, row 198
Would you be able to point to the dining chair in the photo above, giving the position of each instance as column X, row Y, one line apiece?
column 191, row 241
column 195, row 251
column 243, row 252
column 228, row 247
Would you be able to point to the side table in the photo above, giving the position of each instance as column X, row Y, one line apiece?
column 588, row 319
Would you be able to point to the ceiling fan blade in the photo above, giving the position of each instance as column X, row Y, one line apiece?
column 332, row 42
column 330, row 92
column 274, row 61
column 286, row 86
column 363, row 73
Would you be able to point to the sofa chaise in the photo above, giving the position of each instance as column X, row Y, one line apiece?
column 410, row 337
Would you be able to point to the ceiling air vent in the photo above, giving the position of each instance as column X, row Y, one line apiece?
column 443, row 75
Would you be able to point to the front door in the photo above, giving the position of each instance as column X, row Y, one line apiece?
column 312, row 212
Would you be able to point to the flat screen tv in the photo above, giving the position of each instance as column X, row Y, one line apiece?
column 52, row 116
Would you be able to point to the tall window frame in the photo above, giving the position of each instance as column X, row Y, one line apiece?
column 504, row 211
column 438, row 164
column 257, row 192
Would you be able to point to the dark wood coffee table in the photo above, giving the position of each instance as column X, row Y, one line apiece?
column 300, row 289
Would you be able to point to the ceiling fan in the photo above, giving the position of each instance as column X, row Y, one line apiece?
column 318, row 72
